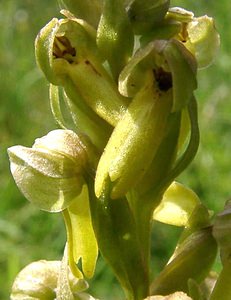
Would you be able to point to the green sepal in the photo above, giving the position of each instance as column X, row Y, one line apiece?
column 115, row 37
column 179, row 14
column 203, row 40
column 135, row 75
column 81, row 238
column 89, row 10
column 44, row 49
column 145, row 15
column 186, row 263
column 117, row 238
column 129, row 152
column 164, row 31
column 182, row 65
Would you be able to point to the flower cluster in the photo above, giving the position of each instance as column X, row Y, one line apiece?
column 125, row 74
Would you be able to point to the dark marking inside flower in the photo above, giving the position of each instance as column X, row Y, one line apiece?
column 62, row 49
column 163, row 79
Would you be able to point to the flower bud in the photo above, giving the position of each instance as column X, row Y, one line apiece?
column 144, row 15
column 187, row 263
column 114, row 35
column 89, row 10
column 39, row 280
column 50, row 174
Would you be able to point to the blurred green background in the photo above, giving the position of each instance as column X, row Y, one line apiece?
column 27, row 234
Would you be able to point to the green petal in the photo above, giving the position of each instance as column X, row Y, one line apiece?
column 183, row 68
column 63, row 142
column 135, row 76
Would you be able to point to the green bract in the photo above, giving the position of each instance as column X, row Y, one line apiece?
column 186, row 263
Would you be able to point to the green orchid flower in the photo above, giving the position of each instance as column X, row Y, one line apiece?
column 48, row 280
column 66, row 52
column 51, row 175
